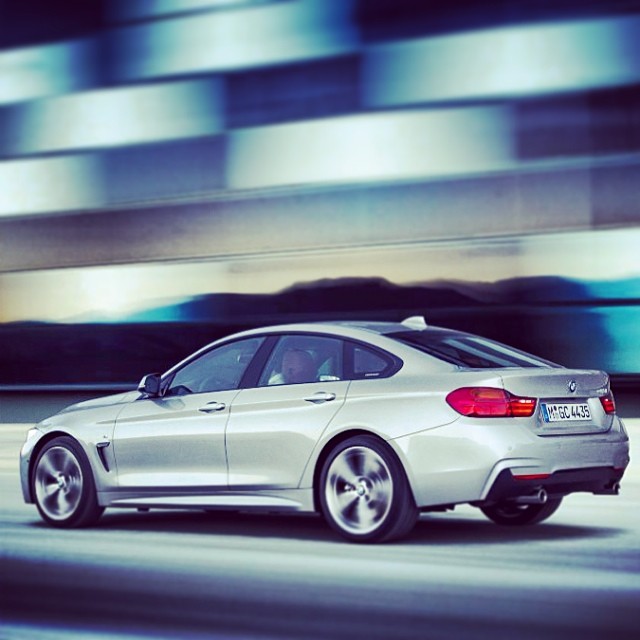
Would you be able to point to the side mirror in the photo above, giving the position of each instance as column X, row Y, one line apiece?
column 150, row 385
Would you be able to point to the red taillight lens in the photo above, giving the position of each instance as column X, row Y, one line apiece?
column 608, row 403
column 488, row 402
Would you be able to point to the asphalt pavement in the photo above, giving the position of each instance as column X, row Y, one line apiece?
column 197, row 575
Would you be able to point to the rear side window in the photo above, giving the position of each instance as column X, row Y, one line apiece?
column 468, row 351
column 370, row 363
column 367, row 363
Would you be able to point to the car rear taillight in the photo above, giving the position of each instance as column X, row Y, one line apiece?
column 608, row 403
column 489, row 402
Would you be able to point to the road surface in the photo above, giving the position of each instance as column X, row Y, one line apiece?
column 197, row 575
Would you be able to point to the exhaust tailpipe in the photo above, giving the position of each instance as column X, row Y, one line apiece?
column 612, row 490
column 539, row 497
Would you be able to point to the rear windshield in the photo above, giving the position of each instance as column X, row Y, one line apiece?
column 468, row 351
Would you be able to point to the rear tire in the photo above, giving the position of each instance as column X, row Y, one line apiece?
column 63, row 486
column 511, row 514
column 364, row 492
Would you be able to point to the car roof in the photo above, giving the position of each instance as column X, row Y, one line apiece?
column 349, row 328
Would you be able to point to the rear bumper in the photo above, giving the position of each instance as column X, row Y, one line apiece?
column 470, row 461
column 599, row 480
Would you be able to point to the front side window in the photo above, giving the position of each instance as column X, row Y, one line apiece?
column 298, row 359
column 468, row 351
column 220, row 369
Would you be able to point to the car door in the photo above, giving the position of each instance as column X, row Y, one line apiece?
column 274, row 427
column 178, row 440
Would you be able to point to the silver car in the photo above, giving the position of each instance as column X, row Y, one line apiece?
column 368, row 423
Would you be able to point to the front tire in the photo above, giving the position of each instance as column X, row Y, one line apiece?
column 364, row 493
column 511, row 514
column 63, row 485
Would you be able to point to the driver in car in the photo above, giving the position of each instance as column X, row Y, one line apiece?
column 297, row 366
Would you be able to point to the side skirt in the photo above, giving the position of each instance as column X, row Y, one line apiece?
column 300, row 500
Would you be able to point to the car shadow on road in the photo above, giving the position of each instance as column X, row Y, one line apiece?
column 223, row 523
column 450, row 530
column 432, row 530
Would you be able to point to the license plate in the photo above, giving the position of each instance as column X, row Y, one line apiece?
column 564, row 412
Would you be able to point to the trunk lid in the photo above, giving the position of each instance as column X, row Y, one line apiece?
column 568, row 399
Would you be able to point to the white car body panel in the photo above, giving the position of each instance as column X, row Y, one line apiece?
column 273, row 430
column 170, row 442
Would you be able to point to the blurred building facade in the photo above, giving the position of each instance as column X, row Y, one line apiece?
column 173, row 169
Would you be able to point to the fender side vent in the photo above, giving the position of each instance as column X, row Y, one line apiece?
column 101, row 446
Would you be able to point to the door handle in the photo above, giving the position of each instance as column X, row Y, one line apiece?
column 320, row 397
column 211, row 407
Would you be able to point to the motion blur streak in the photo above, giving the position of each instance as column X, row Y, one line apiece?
column 63, row 184
column 121, row 116
column 259, row 35
column 173, row 170
column 416, row 144
column 505, row 62
column 36, row 72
